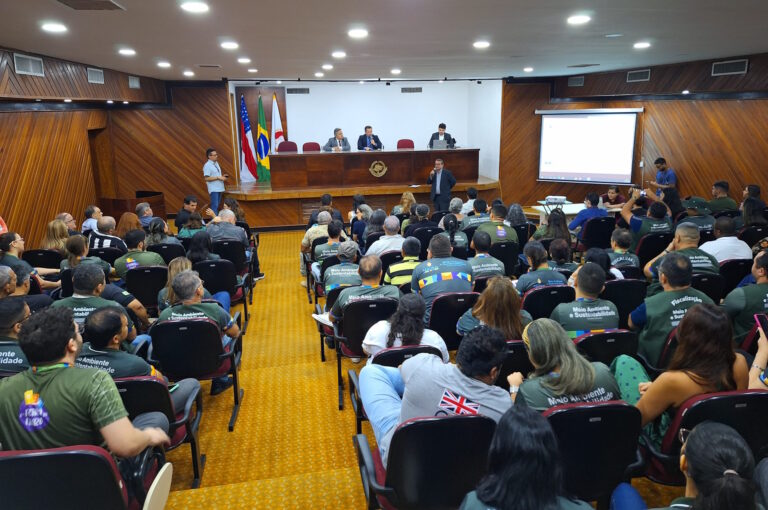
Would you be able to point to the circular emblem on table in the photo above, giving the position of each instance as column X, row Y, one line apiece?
column 378, row 168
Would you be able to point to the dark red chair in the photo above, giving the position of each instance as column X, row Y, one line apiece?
column 310, row 147
column 751, row 235
column 607, row 345
column 711, row 284
column 234, row 251
column 109, row 255
column 540, row 301
column 424, row 235
column 734, row 271
column 626, row 295
column 749, row 344
column 507, row 253
column 221, row 276
column 326, row 332
column 287, row 146
column 447, row 309
column 168, row 251
column 517, row 360
column 387, row 259
column 144, row 283
column 405, row 143
column 631, row 272
column 596, row 233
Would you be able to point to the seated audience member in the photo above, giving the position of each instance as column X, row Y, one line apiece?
column 69, row 221
column 106, row 330
column 345, row 273
column 375, row 224
column 66, row 405
column 358, row 199
column 405, row 327
column 515, row 216
column 440, row 273
column 726, row 245
column 413, row 390
column 361, row 219
column 524, row 468
column 561, row 375
column 685, row 242
column 752, row 214
column 457, row 238
column 56, row 235
column 223, row 228
column 400, row 273
column 539, row 273
column 655, row 222
column 105, row 236
column 145, row 214
column 588, row 312
column 751, row 191
column 601, row 258
column 166, row 297
column 11, row 285
column 201, row 248
column 742, row 303
column 329, row 249
column 697, row 367
column 698, row 213
column 758, row 379
column 325, row 201
column 411, row 216
column 592, row 210
column 454, row 207
column 370, row 276
column 620, row 256
column 480, row 209
column 499, row 232
column 315, row 232
column 12, row 247
column 77, row 253
column 560, row 256
column 468, row 206
column 192, row 226
column 420, row 221
column 13, row 312
column 92, row 216
column 188, row 288
column 660, row 314
column 189, row 206
column 643, row 202
column 231, row 204
column 390, row 241
column 499, row 307
column 483, row 265
column 136, row 256
column 406, row 201
column 554, row 227
column 159, row 233
column 612, row 197
column 720, row 199
column 128, row 221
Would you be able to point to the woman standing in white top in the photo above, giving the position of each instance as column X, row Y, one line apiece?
column 405, row 327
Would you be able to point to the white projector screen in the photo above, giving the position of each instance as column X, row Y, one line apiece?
column 587, row 147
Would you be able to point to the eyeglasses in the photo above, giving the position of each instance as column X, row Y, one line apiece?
column 682, row 435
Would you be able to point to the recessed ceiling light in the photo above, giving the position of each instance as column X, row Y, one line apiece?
column 109, row 101
column 358, row 33
column 327, row 67
column 230, row 45
column 38, row 100
column 244, row 60
column 395, row 71
column 195, row 7
column 253, row 70
column 642, row 45
column 481, row 45
column 53, row 27
column 579, row 19
column 686, row 92
column 319, row 74
column 528, row 69
column 339, row 54
column 440, row 81
column 128, row 52
column 164, row 64
column 125, row 102
column 189, row 73
column 611, row 36
column 67, row 100
column 362, row 82
column 279, row 82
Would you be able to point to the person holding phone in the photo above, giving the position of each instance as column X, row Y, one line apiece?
column 757, row 377
column 214, row 178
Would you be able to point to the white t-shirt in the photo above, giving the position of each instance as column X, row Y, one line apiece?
column 727, row 248
column 376, row 340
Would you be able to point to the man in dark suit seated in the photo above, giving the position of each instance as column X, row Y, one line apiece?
column 369, row 141
column 338, row 142
column 441, row 135
column 442, row 181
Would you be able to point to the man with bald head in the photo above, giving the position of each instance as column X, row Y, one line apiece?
column 104, row 235
column 390, row 241
column 223, row 228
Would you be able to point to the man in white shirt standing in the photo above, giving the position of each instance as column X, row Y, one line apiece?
column 726, row 246
column 214, row 179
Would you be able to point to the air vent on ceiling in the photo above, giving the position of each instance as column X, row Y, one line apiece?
column 583, row 65
column 297, row 91
column 410, row 90
column 575, row 81
column 133, row 82
column 93, row 5
column 639, row 75
column 95, row 75
column 25, row 64
column 727, row 67
column 208, row 66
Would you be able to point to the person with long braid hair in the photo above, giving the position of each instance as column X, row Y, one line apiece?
column 457, row 237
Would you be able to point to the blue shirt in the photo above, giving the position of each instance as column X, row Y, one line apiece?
column 584, row 215
column 211, row 169
column 667, row 176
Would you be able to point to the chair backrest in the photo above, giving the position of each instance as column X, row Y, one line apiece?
column 168, row 251
column 479, row 284
column 507, row 253
column 394, row 356
column 233, row 251
column 711, row 284
column 185, row 242
column 330, row 261
column 49, row 259
column 424, row 473
column 310, row 146
column 670, row 346
column 731, row 213
column 333, row 295
column 217, row 275
column 524, row 232
column 287, row 146
column 540, row 301
column 405, row 143
column 597, row 442
column 145, row 282
column 460, row 252
column 387, row 259
column 67, row 289
column 244, row 226
column 597, row 232
column 631, row 272
column 705, row 236
column 315, row 243
column 372, row 238
column 751, row 235
column 651, row 245
column 437, row 216
column 447, row 309
column 606, row 346
column 187, row 348
column 749, row 344
column 516, row 361
column 734, row 271
column 424, row 235
column 626, row 295
column 145, row 395
column 34, row 479
column 109, row 255
column 359, row 316
column 470, row 232
column 405, row 288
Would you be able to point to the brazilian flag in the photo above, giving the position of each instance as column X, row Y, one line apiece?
column 262, row 147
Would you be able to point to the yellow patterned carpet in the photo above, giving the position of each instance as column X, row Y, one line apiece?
column 291, row 447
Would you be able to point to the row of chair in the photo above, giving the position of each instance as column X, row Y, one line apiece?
column 288, row 146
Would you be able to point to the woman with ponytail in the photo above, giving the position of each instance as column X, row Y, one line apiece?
column 457, row 237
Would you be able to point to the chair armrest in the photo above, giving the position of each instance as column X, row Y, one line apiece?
column 368, row 472
column 637, row 468
column 195, row 397
column 354, row 392
column 234, row 348
column 134, row 470
column 668, row 460
column 141, row 345
column 652, row 371
column 238, row 319
column 337, row 335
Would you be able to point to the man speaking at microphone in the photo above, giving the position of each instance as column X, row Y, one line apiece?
column 442, row 181
column 369, row 141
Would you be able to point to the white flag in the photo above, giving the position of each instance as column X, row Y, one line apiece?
column 277, row 125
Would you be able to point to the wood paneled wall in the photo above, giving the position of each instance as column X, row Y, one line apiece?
column 65, row 79
column 163, row 149
column 704, row 141
column 45, row 168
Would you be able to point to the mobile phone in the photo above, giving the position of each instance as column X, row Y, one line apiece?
column 762, row 320
column 173, row 388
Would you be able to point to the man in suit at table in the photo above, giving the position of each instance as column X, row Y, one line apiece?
column 338, row 143
column 442, row 181
column 441, row 135
column 369, row 141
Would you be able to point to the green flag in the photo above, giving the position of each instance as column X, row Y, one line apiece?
column 262, row 147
